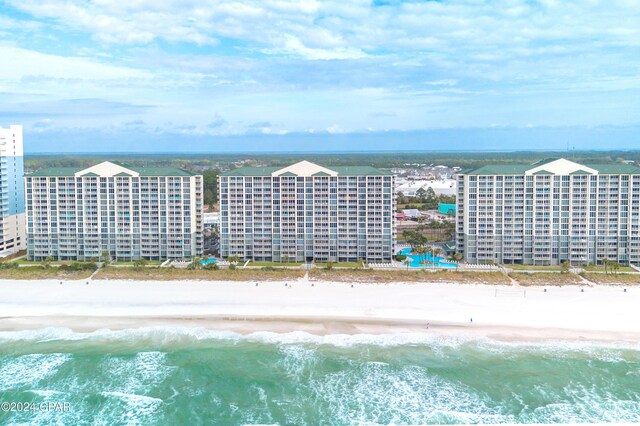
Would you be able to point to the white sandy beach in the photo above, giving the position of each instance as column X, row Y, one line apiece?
column 599, row 313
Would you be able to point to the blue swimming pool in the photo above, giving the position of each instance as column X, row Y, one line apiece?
column 416, row 259
column 206, row 262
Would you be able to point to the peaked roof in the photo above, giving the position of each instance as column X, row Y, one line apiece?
column 556, row 166
column 307, row 169
column 109, row 169
column 304, row 168
column 106, row 169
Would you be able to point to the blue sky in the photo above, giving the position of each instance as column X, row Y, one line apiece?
column 210, row 75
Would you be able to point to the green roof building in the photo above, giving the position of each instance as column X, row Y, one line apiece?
column 306, row 212
column 125, row 213
column 546, row 213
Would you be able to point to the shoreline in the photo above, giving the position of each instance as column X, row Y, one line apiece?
column 503, row 313
column 317, row 326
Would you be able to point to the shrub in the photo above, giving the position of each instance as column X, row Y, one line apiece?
column 232, row 266
column 139, row 263
column 211, row 266
column 8, row 265
column 79, row 266
column 400, row 257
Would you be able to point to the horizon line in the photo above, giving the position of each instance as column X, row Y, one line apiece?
column 412, row 151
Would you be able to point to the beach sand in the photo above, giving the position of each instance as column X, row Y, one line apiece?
column 598, row 313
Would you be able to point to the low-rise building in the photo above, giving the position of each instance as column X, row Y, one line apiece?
column 211, row 220
column 409, row 187
column 410, row 214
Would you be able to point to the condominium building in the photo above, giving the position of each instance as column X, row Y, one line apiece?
column 550, row 212
column 12, row 218
column 131, row 213
column 307, row 212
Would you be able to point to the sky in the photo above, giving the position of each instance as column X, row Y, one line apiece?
column 307, row 75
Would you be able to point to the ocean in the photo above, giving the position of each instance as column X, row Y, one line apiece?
column 188, row 376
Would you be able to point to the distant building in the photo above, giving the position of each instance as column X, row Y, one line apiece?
column 550, row 212
column 12, row 217
column 409, row 187
column 448, row 209
column 211, row 220
column 411, row 214
column 307, row 212
column 131, row 213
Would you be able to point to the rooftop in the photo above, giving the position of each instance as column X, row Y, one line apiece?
column 306, row 168
column 109, row 169
column 556, row 166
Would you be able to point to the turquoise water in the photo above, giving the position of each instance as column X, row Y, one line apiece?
column 193, row 376
column 439, row 261
column 208, row 261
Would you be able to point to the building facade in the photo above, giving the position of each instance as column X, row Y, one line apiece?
column 129, row 213
column 550, row 212
column 12, row 217
column 307, row 212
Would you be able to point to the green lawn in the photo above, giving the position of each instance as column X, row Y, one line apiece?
column 25, row 261
column 598, row 268
column 533, row 267
column 394, row 276
column 275, row 264
column 340, row 265
column 131, row 262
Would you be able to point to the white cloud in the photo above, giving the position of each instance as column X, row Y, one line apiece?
column 29, row 63
column 308, row 64
column 338, row 29
column 294, row 47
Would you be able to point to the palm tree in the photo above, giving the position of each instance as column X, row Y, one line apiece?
column 285, row 258
column 407, row 262
column 437, row 252
column 614, row 267
column 47, row 261
column 419, row 251
column 427, row 250
column 605, row 262
column 457, row 257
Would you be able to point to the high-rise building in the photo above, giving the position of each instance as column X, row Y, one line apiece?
column 131, row 213
column 307, row 212
column 12, row 218
column 552, row 211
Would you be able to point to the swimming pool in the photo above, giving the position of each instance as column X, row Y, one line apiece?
column 416, row 259
column 205, row 262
